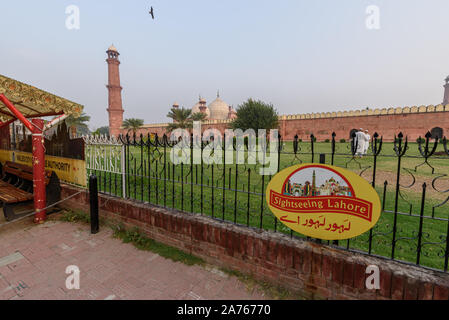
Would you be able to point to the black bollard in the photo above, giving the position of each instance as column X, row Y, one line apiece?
column 93, row 195
column 322, row 158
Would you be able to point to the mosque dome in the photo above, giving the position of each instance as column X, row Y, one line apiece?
column 196, row 108
column 219, row 110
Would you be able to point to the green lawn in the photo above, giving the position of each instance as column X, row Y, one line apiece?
column 235, row 193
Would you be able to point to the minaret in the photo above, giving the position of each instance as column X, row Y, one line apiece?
column 115, row 108
column 446, row 92
column 175, row 106
column 203, row 105
column 314, row 183
column 314, row 179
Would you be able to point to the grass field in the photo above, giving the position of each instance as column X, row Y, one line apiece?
column 235, row 193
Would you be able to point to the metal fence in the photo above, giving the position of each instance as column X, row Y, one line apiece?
column 411, row 179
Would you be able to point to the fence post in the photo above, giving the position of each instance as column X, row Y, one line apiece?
column 322, row 158
column 322, row 161
column 123, row 169
column 93, row 197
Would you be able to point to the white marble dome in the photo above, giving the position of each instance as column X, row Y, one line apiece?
column 219, row 110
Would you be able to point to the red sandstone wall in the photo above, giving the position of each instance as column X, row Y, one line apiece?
column 160, row 131
column 412, row 124
column 315, row 271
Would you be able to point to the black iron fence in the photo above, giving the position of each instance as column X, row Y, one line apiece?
column 411, row 178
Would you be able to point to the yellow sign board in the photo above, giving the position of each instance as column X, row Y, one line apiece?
column 323, row 202
column 69, row 170
column 5, row 155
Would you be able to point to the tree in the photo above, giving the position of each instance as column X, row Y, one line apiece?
column 182, row 119
column 133, row 124
column 78, row 125
column 255, row 115
column 101, row 131
column 199, row 116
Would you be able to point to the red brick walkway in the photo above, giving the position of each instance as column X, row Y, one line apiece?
column 33, row 261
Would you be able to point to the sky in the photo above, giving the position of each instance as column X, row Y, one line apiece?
column 301, row 56
column 322, row 176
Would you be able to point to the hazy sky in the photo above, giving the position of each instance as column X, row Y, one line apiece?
column 302, row 56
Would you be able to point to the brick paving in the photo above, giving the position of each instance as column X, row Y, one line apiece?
column 33, row 261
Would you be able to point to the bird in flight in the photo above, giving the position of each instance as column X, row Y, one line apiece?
column 152, row 13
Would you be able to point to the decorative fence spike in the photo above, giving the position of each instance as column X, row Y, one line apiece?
column 138, row 167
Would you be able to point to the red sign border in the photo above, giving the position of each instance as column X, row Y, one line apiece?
column 320, row 211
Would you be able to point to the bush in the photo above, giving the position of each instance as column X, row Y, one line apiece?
column 420, row 140
column 327, row 140
column 255, row 114
column 342, row 140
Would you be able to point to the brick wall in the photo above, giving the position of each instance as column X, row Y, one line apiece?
column 313, row 270
column 413, row 125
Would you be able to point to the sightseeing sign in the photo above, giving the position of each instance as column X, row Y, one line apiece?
column 323, row 202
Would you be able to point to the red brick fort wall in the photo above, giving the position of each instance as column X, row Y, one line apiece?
column 413, row 122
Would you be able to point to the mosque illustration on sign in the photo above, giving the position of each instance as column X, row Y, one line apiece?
column 314, row 182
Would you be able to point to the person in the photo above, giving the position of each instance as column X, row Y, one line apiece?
column 360, row 140
column 367, row 140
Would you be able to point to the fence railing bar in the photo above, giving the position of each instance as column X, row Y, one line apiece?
column 123, row 172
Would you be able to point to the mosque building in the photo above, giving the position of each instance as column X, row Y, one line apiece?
column 330, row 187
column 217, row 110
column 412, row 121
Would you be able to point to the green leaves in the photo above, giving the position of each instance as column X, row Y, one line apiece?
column 255, row 115
column 183, row 118
column 199, row 116
column 78, row 124
column 101, row 131
column 132, row 124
